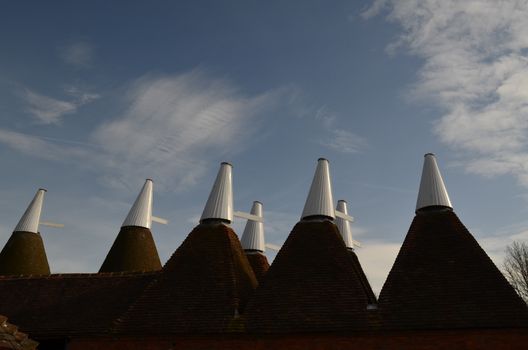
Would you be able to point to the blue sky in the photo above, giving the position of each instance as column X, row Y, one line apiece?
column 97, row 96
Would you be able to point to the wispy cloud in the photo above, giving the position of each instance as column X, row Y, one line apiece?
column 39, row 147
column 177, row 125
column 336, row 138
column 173, row 127
column 79, row 54
column 48, row 110
column 45, row 109
column 476, row 69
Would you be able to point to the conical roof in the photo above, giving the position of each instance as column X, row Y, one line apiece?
column 312, row 286
column 320, row 202
column 24, row 252
column 442, row 278
column 219, row 205
column 433, row 193
column 259, row 264
column 201, row 289
column 253, row 236
column 29, row 222
column 344, row 225
column 134, row 248
column 141, row 212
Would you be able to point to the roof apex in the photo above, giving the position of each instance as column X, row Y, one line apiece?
column 219, row 205
column 141, row 212
column 31, row 218
column 320, row 200
column 253, row 236
column 344, row 225
column 433, row 192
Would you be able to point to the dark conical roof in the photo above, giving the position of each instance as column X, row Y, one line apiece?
column 201, row 289
column 259, row 263
column 133, row 250
column 367, row 289
column 312, row 286
column 24, row 254
column 443, row 279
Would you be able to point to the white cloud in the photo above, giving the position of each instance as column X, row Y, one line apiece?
column 177, row 125
column 79, row 54
column 48, row 110
column 171, row 129
column 336, row 138
column 377, row 258
column 45, row 109
column 495, row 246
column 476, row 69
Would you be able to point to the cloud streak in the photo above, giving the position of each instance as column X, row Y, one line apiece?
column 338, row 139
column 476, row 70
column 171, row 129
column 48, row 110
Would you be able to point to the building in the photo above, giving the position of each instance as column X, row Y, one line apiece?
column 443, row 291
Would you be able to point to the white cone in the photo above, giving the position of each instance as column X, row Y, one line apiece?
column 219, row 205
column 31, row 218
column 344, row 225
column 253, row 236
column 320, row 200
column 432, row 189
column 141, row 212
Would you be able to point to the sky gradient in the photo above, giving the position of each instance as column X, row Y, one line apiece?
column 97, row 96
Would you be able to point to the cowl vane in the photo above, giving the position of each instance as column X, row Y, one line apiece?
column 433, row 193
column 31, row 218
column 219, row 206
column 320, row 203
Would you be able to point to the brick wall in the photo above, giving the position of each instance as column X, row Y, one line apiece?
column 423, row 340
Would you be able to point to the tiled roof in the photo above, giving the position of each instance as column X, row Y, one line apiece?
column 24, row 254
column 61, row 305
column 12, row 338
column 367, row 289
column 442, row 279
column 133, row 250
column 259, row 263
column 312, row 286
column 202, row 288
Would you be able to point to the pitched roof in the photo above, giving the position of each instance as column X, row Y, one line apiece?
column 62, row 305
column 12, row 338
column 443, row 279
column 201, row 289
column 312, row 286
column 259, row 263
column 367, row 289
column 24, row 254
column 133, row 250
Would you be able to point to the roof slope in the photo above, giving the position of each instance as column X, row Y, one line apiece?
column 443, row 279
column 259, row 263
column 24, row 254
column 133, row 250
column 201, row 289
column 12, row 338
column 62, row 305
column 312, row 286
column 363, row 278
